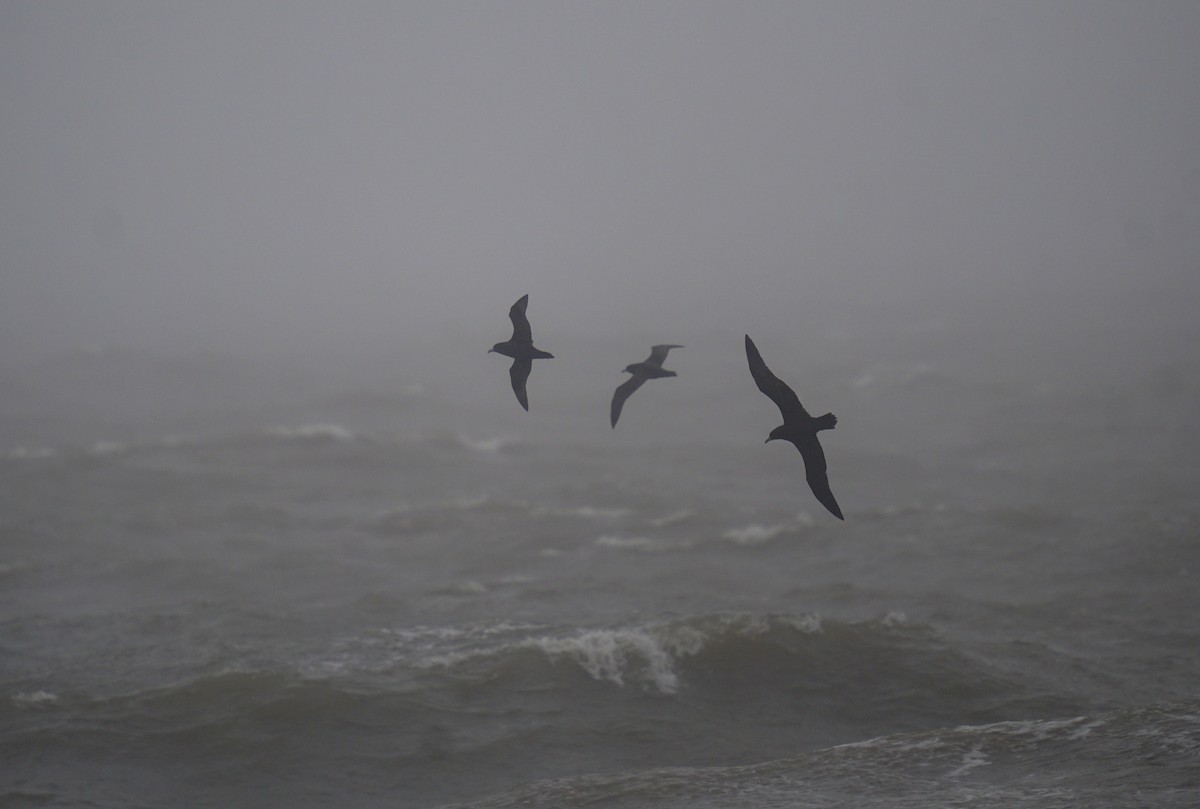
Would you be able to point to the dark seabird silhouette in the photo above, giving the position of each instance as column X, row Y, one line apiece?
column 798, row 427
column 651, row 368
column 520, row 348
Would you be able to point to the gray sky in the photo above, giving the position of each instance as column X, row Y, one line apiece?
column 293, row 176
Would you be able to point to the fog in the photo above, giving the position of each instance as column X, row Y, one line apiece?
column 317, row 182
column 274, row 526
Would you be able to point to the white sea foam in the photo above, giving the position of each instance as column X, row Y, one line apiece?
column 475, row 502
column 597, row 513
column 651, row 653
column 894, row 618
column 758, row 534
column 613, row 655
column 971, row 759
column 804, row 623
column 424, row 634
column 673, row 518
column 106, row 447
column 1038, row 729
column 755, row 533
column 753, row 624
column 900, row 744
column 486, row 502
column 31, row 453
column 614, row 541
column 640, row 543
column 1087, row 729
column 420, row 647
column 320, row 430
column 488, row 445
column 586, row 512
column 34, row 698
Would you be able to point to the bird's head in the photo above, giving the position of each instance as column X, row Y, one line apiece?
column 628, row 369
column 776, row 435
column 494, row 348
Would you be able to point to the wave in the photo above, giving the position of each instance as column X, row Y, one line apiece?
column 33, row 699
column 487, row 445
column 669, row 657
column 747, row 536
column 677, row 517
column 311, row 434
column 643, row 544
column 673, row 655
column 888, row 657
column 429, row 517
column 617, row 655
column 307, row 433
column 23, row 453
column 758, row 534
column 763, row 652
column 584, row 512
column 442, row 513
column 1139, row 756
column 658, row 654
column 513, row 700
column 101, row 448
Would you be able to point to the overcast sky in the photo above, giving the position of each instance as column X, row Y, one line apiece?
column 292, row 175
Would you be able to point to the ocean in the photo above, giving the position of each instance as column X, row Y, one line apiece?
column 216, row 591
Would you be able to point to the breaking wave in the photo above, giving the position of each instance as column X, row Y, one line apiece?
column 1039, row 764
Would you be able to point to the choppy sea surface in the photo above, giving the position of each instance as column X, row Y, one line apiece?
column 398, row 596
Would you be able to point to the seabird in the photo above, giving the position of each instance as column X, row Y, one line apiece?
column 798, row 427
column 520, row 348
column 651, row 368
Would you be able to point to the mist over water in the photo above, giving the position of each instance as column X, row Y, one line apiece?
column 274, row 530
column 317, row 181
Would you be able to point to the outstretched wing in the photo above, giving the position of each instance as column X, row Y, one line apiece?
column 623, row 392
column 658, row 354
column 521, row 330
column 518, row 372
column 778, row 391
column 814, row 473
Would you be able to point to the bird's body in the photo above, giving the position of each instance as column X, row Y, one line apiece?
column 798, row 427
column 520, row 348
column 650, row 368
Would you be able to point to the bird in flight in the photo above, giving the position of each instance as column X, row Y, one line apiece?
column 520, row 348
column 798, row 427
column 650, row 368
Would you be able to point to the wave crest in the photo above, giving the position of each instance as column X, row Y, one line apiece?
column 652, row 654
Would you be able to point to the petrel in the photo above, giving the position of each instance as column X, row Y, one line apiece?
column 520, row 348
column 651, row 368
column 798, row 427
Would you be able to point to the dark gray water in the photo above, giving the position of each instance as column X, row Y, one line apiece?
column 217, row 591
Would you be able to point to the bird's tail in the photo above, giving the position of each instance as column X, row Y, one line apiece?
column 826, row 422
